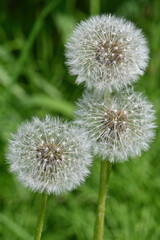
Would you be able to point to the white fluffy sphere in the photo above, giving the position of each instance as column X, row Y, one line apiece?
column 107, row 52
column 120, row 128
column 49, row 155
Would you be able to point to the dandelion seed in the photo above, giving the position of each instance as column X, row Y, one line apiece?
column 119, row 129
column 106, row 52
column 49, row 156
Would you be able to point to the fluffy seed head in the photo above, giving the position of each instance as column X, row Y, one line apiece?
column 106, row 52
column 120, row 128
column 49, row 155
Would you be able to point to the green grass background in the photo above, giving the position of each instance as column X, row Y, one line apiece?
column 34, row 81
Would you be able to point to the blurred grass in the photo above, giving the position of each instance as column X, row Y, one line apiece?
column 43, row 85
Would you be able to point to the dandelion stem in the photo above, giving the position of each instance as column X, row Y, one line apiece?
column 107, row 97
column 39, row 227
column 94, row 7
column 103, row 188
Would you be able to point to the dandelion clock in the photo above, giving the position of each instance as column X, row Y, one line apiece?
column 120, row 128
column 50, row 157
column 106, row 52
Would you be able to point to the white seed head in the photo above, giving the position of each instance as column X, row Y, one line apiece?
column 119, row 129
column 46, row 165
column 106, row 51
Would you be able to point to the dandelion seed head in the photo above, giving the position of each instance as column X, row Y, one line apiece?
column 107, row 52
column 49, row 155
column 120, row 129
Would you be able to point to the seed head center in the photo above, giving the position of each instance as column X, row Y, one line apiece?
column 109, row 53
column 49, row 153
column 115, row 121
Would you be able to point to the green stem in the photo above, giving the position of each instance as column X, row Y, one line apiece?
column 94, row 7
column 103, row 188
column 39, row 227
column 107, row 97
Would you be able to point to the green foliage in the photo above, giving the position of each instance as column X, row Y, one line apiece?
column 34, row 81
